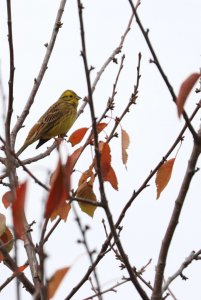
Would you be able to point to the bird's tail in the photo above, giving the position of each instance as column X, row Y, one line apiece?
column 21, row 149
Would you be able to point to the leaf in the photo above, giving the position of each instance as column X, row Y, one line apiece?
column 107, row 171
column 7, row 199
column 77, row 136
column 99, row 128
column 184, row 91
column 55, row 281
column 125, row 141
column 105, row 160
column 2, row 224
column 111, row 178
column 18, row 210
column 20, row 269
column 88, row 173
column 62, row 211
column 85, row 191
column 7, row 241
column 75, row 155
column 163, row 176
column 60, row 187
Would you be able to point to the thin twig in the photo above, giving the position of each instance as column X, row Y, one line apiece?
column 38, row 79
column 193, row 256
column 89, row 252
column 12, row 154
column 110, row 59
column 162, row 73
column 98, row 166
column 111, row 289
column 105, row 245
column 190, row 171
column 131, row 101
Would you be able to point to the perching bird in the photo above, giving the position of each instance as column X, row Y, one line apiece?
column 57, row 120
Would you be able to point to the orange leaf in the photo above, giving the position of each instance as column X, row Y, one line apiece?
column 77, row 136
column 111, row 178
column 55, row 281
column 7, row 241
column 18, row 210
column 184, row 91
column 125, row 141
column 85, row 191
column 20, row 269
column 60, row 188
column 163, row 175
column 7, row 199
column 101, row 126
column 75, row 155
column 62, row 211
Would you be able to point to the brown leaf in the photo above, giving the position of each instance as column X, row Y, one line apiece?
column 125, row 141
column 55, row 281
column 18, row 210
column 7, row 241
column 184, row 91
column 111, row 178
column 85, row 175
column 7, row 199
column 85, row 191
column 77, row 136
column 2, row 224
column 163, row 176
column 60, row 187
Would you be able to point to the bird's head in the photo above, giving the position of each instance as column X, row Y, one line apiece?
column 70, row 97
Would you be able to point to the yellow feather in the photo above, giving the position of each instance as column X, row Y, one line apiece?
column 57, row 120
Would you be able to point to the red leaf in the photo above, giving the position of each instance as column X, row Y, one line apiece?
column 60, row 188
column 7, row 241
column 55, row 281
column 184, row 91
column 7, row 199
column 163, row 175
column 74, row 157
column 105, row 160
column 18, row 210
column 111, row 178
column 77, row 136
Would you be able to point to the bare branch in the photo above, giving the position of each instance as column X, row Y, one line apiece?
column 190, row 171
column 193, row 256
column 38, row 79
column 162, row 73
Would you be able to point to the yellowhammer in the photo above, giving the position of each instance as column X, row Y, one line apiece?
column 57, row 120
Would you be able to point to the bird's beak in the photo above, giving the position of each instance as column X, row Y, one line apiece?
column 78, row 97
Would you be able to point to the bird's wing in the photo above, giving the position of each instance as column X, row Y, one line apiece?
column 44, row 124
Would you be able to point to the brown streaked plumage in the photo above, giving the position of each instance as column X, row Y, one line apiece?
column 56, row 121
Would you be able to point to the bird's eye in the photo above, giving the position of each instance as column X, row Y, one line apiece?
column 71, row 96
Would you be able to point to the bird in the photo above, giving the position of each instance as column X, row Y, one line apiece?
column 56, row 121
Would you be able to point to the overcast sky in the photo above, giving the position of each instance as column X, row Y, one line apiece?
column 152, row 124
